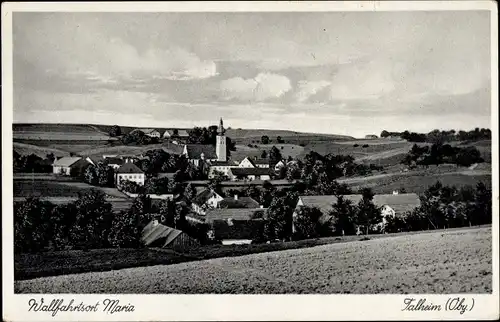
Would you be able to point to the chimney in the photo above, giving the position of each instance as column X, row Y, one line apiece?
column 235, row 197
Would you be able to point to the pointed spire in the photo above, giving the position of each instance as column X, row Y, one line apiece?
column 221, row 127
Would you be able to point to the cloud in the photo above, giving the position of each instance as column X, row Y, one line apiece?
column 264, row 86
column 306, row 89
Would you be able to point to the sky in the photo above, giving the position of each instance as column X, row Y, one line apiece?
column 350, row 73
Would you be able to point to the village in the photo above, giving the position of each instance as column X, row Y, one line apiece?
column 220, row 201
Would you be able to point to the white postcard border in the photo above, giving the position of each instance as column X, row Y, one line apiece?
column 237, row 307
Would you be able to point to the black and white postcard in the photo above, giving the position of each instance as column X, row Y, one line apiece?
column 250, row 161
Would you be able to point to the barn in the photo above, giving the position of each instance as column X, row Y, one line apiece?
column 159, row 235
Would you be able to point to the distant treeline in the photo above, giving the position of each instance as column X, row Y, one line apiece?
column 440, row 154
column 438, row 136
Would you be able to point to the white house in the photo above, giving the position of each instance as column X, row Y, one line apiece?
column 150, row 132
column 65, row 165
column 205, row 200
column 254, row 163
column 248, row 174
column 129, row 172
column 181, row 134
column 394, row 204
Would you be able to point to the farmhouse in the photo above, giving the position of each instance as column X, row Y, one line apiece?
column 371, row 136
column 205, row 200
column 178, row 134
column 249, row 174
column 391, row 204
column 254, row 163
column 69, row 165
column 149, row 132
column 114, row 163
column 199, row 153
column 159, row 235
column 129, row 172
column 235, row 226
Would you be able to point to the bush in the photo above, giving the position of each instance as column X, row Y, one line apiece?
column 356, row 145
column 365, row 145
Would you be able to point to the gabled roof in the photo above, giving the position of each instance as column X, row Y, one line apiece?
column 237, row 229
column 129, row 168
column 324, row 203
column 181, row 133
column 234, row 214
column 154, row 232
column 146, row 131
column 399, row 202
column 204, row 196
column 194, row 151
column 249, row 171
column 241, row 202
column 222, row 164
column 66, row 161
column 95, row 160
column 114, row 160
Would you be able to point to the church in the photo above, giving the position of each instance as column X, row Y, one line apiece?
column 214, row 160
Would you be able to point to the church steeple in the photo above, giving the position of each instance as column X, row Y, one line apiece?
column 221, row 127
column 220, row 147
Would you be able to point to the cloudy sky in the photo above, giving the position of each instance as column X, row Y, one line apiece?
column 347, row 73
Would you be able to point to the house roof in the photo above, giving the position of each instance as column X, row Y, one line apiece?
column 241, row 202
column 181, row 133
column 195, row 150
column 399, row 202
column 203, row 196
column 249, row 171
column 155, row 231
column 66, row 161
column 95, row 160
column 146, row 131
column 324, row 203
column 236, row 229
column 114, row 160
column 129, row 168
column 234, row 214
column 222, row 163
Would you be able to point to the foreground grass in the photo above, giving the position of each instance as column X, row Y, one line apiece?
column 457, row 261
column 28, row 266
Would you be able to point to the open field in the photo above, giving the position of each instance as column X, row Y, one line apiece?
column 419, row 263
column 41, row 151
column 286, row 150
column 56, row 189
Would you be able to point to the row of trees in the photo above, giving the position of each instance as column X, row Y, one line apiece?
column 440, row 137
column 439, row 154
column 32, row 162
column 138, row 137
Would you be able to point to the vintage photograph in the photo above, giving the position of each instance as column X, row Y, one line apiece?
column 280, row 152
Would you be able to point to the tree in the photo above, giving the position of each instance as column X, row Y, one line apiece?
column 367, row 213
column 32, row 225
column 90, row 175
column 263, row 155
column 483, row 201
column 279, row 140
column 344, row 216
column 142, row 206
column 105, row 175
column 384, row 134
column 62, row 219
column 189, row 192
column 264, row 139
column 167, row 212
column 307, row 223
column 93, row 220
column 115, row 131
column 280, row 215
column 125, row 230
column 274, row 156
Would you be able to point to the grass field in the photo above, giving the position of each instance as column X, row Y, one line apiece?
column 419, row 263
column 52, row 188
column 41, row 151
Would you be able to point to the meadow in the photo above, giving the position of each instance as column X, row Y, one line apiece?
column 420, row 263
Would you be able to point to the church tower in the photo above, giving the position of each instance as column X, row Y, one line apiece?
column 220, row 147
